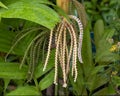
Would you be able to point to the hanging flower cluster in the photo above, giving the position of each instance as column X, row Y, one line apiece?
column 66, row 57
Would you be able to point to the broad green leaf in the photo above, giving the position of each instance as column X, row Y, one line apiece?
column 24, row 91
column 47, row 80
column 7, row 38
column 88, row 4
column 7, row 2
column 97, row 69
column 78, row 86
column 12, row 71
column 13, row 23
column 87, row 51
column 34, row 11
column 108, row 33
column 106, row 56
column 116, row 80
column 102, row 36
column 98, row 31
column 113, row 2
column 111, row 90
column 39, row 70
column 2, row 5
column 103, row 53
column 96, row 80
column 102, row 92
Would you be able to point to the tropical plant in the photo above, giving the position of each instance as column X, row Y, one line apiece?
column 42, row 43
column 24, row 28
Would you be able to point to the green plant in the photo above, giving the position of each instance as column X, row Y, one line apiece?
column 22, row 27
column 98, row 72
column 27, row 58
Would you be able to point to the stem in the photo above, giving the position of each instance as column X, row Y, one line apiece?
column 66, row 91
column 64, row 4
column 56, row 90
column 37, row 86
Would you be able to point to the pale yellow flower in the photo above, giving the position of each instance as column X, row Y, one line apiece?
column 114, row 73
column 114, row 48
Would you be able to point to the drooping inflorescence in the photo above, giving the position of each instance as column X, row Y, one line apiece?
column 65, row 56
column 80, row 11
column 80, row 36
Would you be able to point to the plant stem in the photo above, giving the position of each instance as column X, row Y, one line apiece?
column 37, row 86
column 64, row 4
column 56, row 90
column 66, row 91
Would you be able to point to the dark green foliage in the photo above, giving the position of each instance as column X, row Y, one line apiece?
column 25, row 39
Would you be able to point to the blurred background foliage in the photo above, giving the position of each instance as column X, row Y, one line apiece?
column 104, row 25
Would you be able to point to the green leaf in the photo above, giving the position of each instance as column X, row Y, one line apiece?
column 78, row 86
column 102, row 36
column 103, row 53
column 87, row 51
column 98, row 31
column 39, row 70
column 106, row 56
column 108, row 33
column 102, row 92
column 111, row 90
column 12, row 71
column 88, row 4
column 13, row 23
column 116, row 80
column 34, row 11
column 6, row 82
column 97, row 69
column 2, row 5
column 96, row 80
column 113, row 2
column 7, row 38
column 47, row 80
column 24, row 91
